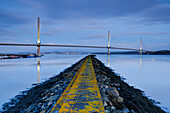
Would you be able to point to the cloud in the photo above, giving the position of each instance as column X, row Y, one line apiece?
column 91, row 37
column 126, row 45
column 9, row 32
column 7, row 37
column 27, row 40
column 147, row 10
column 161, row 38
column 143, row 33
column 3, row 31
column 92, row 27
column 93, row 8
column 160, row 46
column 53, row 30
column 144, row 11
column 8, row 18
column 157, row 14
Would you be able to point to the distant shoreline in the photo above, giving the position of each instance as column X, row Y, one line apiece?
column 161, row 52
column 16, row 56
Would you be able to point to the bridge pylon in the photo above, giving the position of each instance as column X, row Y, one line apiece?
column 140, row 46
column 38, row 40
column 108, row 46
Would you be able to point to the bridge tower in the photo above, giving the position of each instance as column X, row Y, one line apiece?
column 140, row 46
column 38, row 40
column 108, row 46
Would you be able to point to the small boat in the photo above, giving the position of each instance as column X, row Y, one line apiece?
column 33, row 56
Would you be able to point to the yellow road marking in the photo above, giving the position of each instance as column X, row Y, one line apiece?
column 82, row 94
column 60, row 101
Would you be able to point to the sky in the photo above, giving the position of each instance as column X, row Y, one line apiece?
column 86, row 22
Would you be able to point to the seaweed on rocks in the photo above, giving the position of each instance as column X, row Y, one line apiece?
column 121, row 97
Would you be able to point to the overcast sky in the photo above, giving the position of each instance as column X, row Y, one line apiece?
column 86, row 22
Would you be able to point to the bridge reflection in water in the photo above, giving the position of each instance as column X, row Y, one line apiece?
column 38, row 70
column 108, row 61
column 38, row 65
column 140, row 62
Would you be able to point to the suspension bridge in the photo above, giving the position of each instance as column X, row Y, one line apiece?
column 38, row 44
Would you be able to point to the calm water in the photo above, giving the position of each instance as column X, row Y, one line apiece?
column 148, row 73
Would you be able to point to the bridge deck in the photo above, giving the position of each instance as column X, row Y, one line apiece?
column 82, row 94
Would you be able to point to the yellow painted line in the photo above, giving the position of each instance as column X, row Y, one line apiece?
column 60, row 101
column 82, row 96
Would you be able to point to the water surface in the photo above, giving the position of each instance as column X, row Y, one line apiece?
column 19, row 74
column 148, row 73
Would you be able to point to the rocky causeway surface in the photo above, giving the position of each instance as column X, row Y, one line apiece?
column 117, row 95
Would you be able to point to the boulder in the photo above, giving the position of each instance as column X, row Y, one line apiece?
column 112, row 91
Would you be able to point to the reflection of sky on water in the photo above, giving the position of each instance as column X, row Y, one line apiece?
column 148, row 73
column 18, row 74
